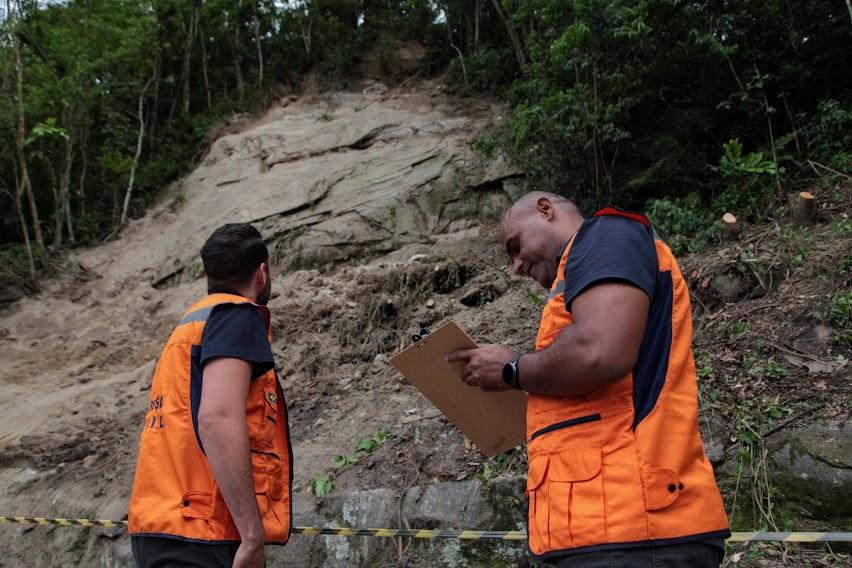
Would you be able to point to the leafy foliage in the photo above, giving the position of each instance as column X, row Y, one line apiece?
column 321, row 485
column 687, row 109
column 87, row 63
column 682, row 223
column 631, row 101
column 841, row 309
column 368, row 444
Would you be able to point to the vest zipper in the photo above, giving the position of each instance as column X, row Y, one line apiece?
column 565, row 424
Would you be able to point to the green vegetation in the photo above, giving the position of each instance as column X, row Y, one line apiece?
column 754, row 418
column 738, row 328
column 841, row 316
column 511, row 461
column 841, row 309
column 682, row 223
column 757, row 364
column 321, row 485
column 369, row 444
column 687, row 109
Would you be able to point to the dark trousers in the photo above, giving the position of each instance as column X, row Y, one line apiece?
column 159, row 552
column 687, row 555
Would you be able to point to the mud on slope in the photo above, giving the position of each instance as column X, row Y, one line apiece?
column 381, row 220
column 331, row 181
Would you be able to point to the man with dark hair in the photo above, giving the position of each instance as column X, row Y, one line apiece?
column 214, row 473
column 232, row 255
column 617, row 472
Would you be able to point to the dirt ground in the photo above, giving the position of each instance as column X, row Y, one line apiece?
column 78, row 358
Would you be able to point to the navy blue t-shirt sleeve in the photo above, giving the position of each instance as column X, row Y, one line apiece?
column 610, row 248
column 237, row 330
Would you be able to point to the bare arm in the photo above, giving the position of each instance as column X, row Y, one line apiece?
column 599, row 348
column 224, row 433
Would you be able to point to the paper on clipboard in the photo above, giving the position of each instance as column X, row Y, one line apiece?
column 493, row 421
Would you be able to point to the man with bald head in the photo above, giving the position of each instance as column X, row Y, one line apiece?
column 617, row 472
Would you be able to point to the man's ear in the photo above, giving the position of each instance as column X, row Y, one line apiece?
column 261, row 275
column 545, row 208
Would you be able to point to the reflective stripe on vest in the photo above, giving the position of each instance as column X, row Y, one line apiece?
column 174, row 491
column 600, row 479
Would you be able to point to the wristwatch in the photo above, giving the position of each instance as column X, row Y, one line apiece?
column 511, row 374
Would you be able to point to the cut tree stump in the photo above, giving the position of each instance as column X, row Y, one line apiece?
column 730, row 226
column 803, row 207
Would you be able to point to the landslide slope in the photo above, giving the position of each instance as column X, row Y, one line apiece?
column 381, row 220
column 332, row 181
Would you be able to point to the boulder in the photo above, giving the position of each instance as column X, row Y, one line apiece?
column 812, row 468
column 496, row 505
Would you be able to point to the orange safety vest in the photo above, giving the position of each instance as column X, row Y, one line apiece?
column 623, row 466
column 175, row 494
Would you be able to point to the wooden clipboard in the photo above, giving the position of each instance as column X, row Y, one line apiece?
column 494, row 421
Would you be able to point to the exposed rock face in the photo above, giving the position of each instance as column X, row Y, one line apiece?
column 352, row 175
column 472, row 505
column 381, row 221
column 812, row 467
column 400, row 60
column 346, row 188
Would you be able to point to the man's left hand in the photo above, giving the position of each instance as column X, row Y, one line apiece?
column 483, row 366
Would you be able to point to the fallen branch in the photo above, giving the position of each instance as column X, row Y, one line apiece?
column 778, row 427
column 799, row 354
column 844, row 206
column 814, row 164
column 419, row 418
column 781, row 425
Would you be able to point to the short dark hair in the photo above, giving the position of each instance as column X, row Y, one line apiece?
column 232, row 255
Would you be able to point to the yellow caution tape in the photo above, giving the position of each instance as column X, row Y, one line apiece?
column 443, row 533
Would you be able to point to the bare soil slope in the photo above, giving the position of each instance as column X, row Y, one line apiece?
column 381, row 219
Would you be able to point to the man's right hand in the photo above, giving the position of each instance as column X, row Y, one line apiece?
column 250, row 554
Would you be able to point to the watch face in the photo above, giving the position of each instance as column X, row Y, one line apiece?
column 508, row 372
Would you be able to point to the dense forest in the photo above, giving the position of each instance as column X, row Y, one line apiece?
column 686, row 109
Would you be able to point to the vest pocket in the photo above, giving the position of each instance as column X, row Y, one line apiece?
column 566, row 499
column 662, row 487
column 196, row 505
column 268, row 475
column 576, row 497
column 539, row 541
column 265, row 414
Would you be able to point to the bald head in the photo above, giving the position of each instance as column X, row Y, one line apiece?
column 528, row 203
column 534, row 231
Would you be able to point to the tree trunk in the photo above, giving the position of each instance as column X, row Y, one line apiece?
column 803, row 207
column 187, row 52
column 21, row 132
column 139, row 138
column 730, row 226
column 65, row 189
column 306, row 22
column 477, row 14
column 457, row 50
column 204, row 66
column 241, row 89
column 84, row 166
column 60, row 194
column 257, row 41
column 26, row 234
column 513, row 34
column 155, row 105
